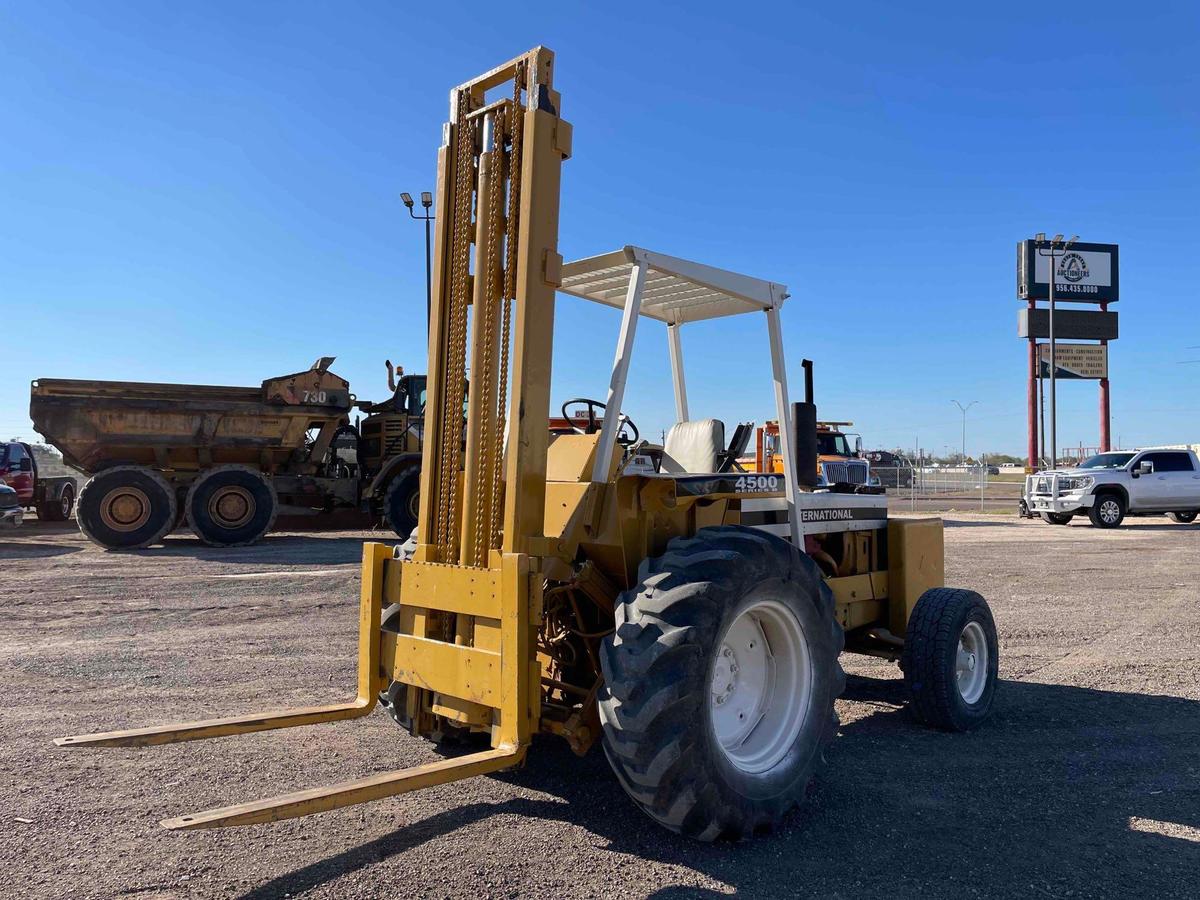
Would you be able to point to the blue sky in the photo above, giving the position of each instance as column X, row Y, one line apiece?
column 208, row 192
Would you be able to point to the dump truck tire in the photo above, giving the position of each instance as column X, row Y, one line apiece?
column 400, row 501
column 1057, row 518
column 58, row 510
column 731, row 625
column 1183, row 518
column 231, row 506
column 1108, row 511
column 950, row 659
column 126, row 508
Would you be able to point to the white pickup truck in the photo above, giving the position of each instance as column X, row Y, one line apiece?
column 1109, row 486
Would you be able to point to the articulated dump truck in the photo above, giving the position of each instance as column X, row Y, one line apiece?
column 590, row 585
column 228, row 460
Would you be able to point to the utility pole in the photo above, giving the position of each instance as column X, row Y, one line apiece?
column 962, row 459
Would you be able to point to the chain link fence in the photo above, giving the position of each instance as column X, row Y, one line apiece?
column 968, row 488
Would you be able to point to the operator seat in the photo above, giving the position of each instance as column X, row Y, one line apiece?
column 695, row 447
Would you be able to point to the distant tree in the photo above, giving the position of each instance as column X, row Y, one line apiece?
column 1004, row 459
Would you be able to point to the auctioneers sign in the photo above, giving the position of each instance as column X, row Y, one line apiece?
column 1076, row 360
column 1084, row 273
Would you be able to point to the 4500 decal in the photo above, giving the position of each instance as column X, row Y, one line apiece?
column 758, row 484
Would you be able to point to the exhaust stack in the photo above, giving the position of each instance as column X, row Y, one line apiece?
column 804, row 423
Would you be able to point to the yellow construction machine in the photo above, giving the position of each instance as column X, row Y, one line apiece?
column 587, row 584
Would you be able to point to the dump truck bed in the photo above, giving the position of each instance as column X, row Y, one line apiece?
column 184, row 427
column 144, row 390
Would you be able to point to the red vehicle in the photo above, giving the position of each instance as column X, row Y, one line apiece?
column 52, row 497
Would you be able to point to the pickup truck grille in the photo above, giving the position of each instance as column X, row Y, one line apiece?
column 854, row 471
column 1042, row 485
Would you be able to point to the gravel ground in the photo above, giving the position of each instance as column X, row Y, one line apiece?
column 1086, row 782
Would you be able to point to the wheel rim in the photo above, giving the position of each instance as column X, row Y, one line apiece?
column 1110, row 510
column 231, row 506
column 125, row 509
column 761, row 686
column 971, row 664
column 65, row 503
column 414, row 504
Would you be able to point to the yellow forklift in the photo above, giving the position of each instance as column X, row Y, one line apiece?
column 591, row 585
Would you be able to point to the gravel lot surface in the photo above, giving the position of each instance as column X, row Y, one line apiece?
column 1086, row 782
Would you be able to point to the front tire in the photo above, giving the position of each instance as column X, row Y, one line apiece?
column 231, row 506
column 1182, row 518
column 126, row 508
column 1108, row 511
column 720, row 682
column 1057, row 518
column 951, row 659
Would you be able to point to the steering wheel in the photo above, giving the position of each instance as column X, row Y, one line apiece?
column 623, row 437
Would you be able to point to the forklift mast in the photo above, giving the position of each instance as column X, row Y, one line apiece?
column 496, row 267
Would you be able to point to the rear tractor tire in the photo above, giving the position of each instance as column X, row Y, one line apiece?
column 1108, row 511
column 1182, row 518
column 950, row 659
column 401, row 501
column 231, row 506
column 1057, row 518
column 58, row 510
column 720, row 682
column 126, row 508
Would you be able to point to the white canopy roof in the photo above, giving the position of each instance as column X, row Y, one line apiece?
column 675, row 291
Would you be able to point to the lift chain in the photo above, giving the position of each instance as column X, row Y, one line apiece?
column 459, row 298
column 485, row 322
column 516, row 124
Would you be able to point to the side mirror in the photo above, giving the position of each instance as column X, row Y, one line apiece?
column 858, row 446
column 1145, row 467
column 26, row 464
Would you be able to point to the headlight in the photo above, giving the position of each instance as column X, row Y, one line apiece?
column 1076, row 483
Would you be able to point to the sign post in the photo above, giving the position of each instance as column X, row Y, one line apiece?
column 1055, row 271
column 1032, row 396
column 1105, row 419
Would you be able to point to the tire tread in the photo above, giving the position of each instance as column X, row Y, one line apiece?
column 103, row 475
column 932, row 634
column 655, row 658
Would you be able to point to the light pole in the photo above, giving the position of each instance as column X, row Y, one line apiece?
column 426, row 217
column 963, row 409
column 1053, row 251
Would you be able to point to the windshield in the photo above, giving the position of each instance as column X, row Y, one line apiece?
column 3, row 453
column 1106, row 461
column 832, row 444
